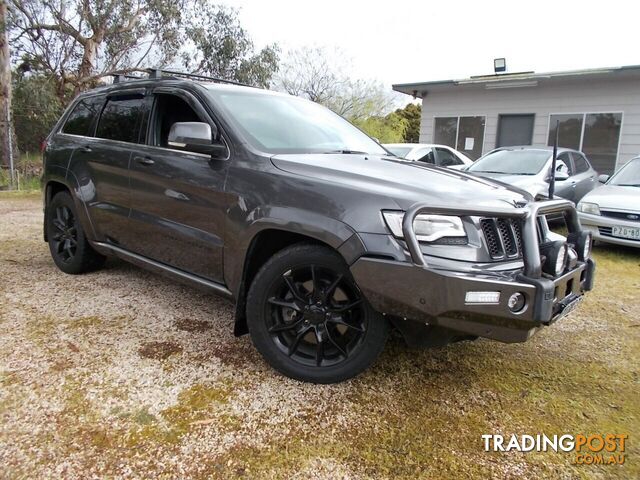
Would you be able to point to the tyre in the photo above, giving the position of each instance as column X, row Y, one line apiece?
column 308, row 318
column 68, row 244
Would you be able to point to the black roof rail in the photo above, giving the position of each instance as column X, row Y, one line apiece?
column 160, row 73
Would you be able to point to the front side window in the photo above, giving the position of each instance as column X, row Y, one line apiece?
column 446, row 158
column 81, row 118
column 425, row 155
column 580, row 162
column 285, row 124
column 119, row 119
column 514, row 162
column 170, row 109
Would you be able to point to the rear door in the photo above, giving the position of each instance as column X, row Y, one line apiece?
column 178, row 203
column 585, row 177
column 101, row 165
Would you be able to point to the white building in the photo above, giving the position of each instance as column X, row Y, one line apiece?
column 598, row 111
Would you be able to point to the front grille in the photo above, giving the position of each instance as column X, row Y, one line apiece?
column 629, row 216
column 503, row 237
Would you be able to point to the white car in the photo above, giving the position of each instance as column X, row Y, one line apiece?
column 612, row 211
column 439, row 155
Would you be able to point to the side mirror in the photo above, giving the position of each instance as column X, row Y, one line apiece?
column 603, row 178
column 196, row 137
column 560, row 176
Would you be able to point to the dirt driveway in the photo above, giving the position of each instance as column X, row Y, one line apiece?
column 122, row 373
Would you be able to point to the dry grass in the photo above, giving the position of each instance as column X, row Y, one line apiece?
column 122, row 373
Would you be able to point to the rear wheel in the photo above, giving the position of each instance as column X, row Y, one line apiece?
column 308, row 318
column 68, row 244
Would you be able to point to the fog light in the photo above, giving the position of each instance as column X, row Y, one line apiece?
column 516, row 302
column 482, row 297
column 556, row 254
column 583, row 242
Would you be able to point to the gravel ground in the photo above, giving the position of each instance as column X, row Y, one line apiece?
column 122, row 373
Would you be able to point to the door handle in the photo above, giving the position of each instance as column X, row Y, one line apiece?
column 144, row 160
column 86, row 148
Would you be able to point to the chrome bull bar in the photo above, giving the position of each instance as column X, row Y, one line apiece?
column 528, row 214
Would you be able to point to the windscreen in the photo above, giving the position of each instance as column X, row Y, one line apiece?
column 287, row 124
column 629, row 175
column 400, row 151
column 513, row 162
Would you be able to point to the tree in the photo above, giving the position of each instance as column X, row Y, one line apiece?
column 309, row 73
column 388, row 129
column 6, row 127
column 79, row 42
column 222, row 48
column 412, row 113
column 37, row 108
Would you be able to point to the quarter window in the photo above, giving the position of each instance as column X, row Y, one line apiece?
column 119, row 119
column 81, row 118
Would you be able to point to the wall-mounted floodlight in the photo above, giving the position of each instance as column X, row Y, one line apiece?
column 499, row 65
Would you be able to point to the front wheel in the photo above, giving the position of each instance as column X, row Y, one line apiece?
column 308, row 318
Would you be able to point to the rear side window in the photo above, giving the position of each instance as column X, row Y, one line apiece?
column 120, row 119
column 81, row 118
column 580, row 163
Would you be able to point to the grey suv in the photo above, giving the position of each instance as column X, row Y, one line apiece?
column 321, row 238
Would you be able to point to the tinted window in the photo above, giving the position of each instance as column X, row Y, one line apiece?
column 81, row 118
column 600, row 143
column 570, row 130
column 447, row 158
column 119, row 119
column 445, row 131
column 580, row 163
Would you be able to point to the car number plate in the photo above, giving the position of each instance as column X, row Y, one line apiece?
column 632, row 233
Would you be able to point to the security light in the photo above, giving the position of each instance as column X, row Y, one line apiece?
column 499, row 65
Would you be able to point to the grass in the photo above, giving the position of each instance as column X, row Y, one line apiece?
column 28, row 170
column 415, row 414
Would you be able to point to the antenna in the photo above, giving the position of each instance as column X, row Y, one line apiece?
column 552, row 181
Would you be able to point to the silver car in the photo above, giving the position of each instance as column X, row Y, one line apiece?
column 612, row 212
column 529, row 168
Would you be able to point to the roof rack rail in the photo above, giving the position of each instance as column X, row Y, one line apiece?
column 121, row 77
column 159, row 73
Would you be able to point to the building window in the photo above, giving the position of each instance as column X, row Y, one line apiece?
column 595, row 134
column 465, row 134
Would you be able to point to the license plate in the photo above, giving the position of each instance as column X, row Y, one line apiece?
column 570, row 307
column 632, row 233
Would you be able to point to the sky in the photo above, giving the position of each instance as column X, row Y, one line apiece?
column 403, row 41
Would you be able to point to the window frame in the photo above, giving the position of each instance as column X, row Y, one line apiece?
column 582, row 130
column 196, row 105
column 458, row 117
column 132, row 92
column 94, row 122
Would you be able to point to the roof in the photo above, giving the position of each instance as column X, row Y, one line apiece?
column 516, row 79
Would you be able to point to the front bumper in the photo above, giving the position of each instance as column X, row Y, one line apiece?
column 419, row 293
column 601, row 228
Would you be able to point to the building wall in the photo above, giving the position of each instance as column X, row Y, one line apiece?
column 574, row 96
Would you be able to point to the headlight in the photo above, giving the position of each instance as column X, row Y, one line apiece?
column 582, row 242
column 428, row 228
column 587, row 207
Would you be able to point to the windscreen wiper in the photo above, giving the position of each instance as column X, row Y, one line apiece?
column 348, row 152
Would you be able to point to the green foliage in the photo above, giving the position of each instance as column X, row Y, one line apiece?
column 412, row 113
column 223, row 48
column 388, row 129
column 36, row 108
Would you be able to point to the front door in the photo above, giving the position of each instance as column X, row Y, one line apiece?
column 178, row 203
column 515, row 130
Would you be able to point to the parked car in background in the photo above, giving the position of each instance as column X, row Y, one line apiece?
column 439, row 155
column 529, row 168
column 612, row 212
